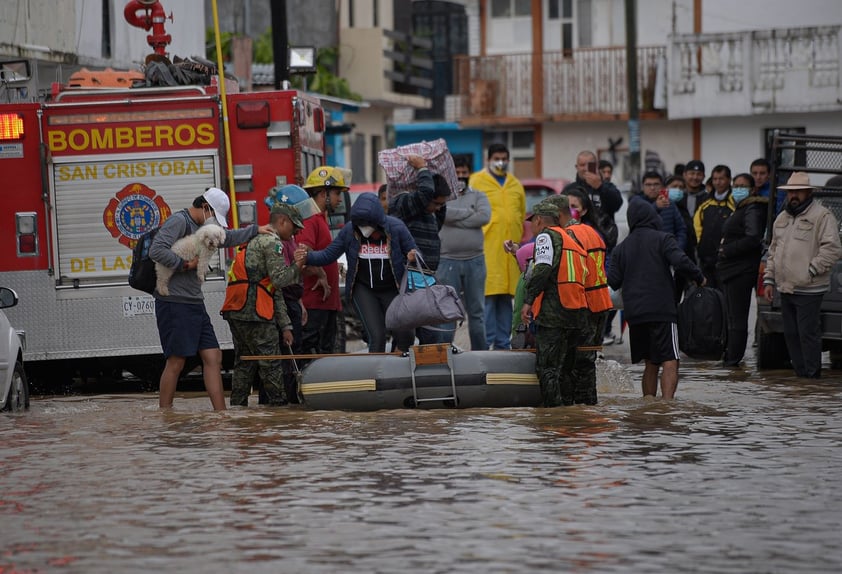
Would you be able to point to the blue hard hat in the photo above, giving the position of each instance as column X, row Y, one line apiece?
column 290, row 194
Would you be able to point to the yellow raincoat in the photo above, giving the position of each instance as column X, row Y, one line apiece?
column 508, row 210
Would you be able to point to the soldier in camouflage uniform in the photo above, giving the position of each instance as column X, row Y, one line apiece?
column 254, row 308
column 596, row 293
column 557, row 301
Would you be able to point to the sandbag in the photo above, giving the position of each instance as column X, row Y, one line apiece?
column 702, row 323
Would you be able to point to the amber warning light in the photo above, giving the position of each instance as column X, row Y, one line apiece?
column 11, row 127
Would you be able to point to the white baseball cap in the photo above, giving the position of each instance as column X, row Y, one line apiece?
column 219, row 202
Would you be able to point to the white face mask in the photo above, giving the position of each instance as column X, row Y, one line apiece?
column 210, row 218
column 499, row 167
column 366, row 230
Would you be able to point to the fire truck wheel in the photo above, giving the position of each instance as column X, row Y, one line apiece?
column 18, row 397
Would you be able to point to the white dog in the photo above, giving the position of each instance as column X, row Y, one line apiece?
column 203, row 244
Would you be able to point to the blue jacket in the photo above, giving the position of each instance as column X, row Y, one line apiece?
column 640, row 265
column 780, row 196
column 366, row 211
column 671, row 220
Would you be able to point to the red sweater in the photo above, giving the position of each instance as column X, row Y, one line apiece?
column 316, row 235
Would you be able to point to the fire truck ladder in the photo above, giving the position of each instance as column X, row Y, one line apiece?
column 437, row 354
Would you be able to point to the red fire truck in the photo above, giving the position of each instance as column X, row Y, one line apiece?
column 87, row 171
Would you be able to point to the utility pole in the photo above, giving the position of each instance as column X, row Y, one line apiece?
column 280, row 43
column 631, row 89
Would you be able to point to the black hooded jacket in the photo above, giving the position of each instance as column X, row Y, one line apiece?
column 641, row 266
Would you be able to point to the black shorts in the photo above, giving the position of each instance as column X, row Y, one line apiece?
column 184, row 328
column 655, row 342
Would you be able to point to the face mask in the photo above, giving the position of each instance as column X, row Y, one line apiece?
column 366, row 230
column 210, row 218
column 676, row 194
column 739, row 194
column 574, row 213
column 500, row 167
column 463, row 181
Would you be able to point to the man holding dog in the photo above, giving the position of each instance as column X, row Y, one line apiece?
column 183, row 323
column 254, row 308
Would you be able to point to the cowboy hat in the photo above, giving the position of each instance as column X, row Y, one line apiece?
column 798, row 180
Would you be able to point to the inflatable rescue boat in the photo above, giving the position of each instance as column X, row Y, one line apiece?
column 428, row 377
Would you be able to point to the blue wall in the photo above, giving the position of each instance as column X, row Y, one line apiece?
column 459, row 141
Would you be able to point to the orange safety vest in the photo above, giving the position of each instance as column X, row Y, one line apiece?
column 572, row 270
column 596, row 283
column 236, row 293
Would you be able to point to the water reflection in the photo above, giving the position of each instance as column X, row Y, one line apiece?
column 739, row 474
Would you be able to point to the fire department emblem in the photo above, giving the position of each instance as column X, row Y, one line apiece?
column 135, row 210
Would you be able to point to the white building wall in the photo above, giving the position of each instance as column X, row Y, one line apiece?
column 37, row 25
column 369, row 122
column 730, row 16
column 658, row 19
column 129, row 45
column 671, row 140
column 736, row 142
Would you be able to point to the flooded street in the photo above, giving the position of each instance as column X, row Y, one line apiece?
column 739, row 474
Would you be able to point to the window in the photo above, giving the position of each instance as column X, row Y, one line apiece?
column 509, row 27
column 511, row 8
column 376, row 13
column 350, row 13
column 567, row 26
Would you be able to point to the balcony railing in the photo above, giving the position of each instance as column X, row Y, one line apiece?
column 758, row 72
column 587, row 83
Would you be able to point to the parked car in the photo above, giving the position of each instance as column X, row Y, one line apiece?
column 14, row 390
column 536, row 190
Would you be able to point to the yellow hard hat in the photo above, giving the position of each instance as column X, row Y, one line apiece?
column 325, row 176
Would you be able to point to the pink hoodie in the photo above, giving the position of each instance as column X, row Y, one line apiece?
column 523, row 255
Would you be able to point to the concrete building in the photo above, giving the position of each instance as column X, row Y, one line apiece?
column 548, row 77
column 62, row 37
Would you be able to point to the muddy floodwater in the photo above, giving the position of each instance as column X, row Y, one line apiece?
column 740, row 474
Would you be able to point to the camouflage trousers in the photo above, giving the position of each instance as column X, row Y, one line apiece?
column 256, row 338
column 555, row 360
column 584, row 370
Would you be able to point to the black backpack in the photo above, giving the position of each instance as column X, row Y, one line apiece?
column 702, row 323
column 142, row 274
column 610, row 230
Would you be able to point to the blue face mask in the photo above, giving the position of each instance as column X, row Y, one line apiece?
column 739, row 194
column 676, row 194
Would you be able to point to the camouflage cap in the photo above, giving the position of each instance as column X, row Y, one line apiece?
column 544, row 208
column 289, row 211
column 560, row 201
